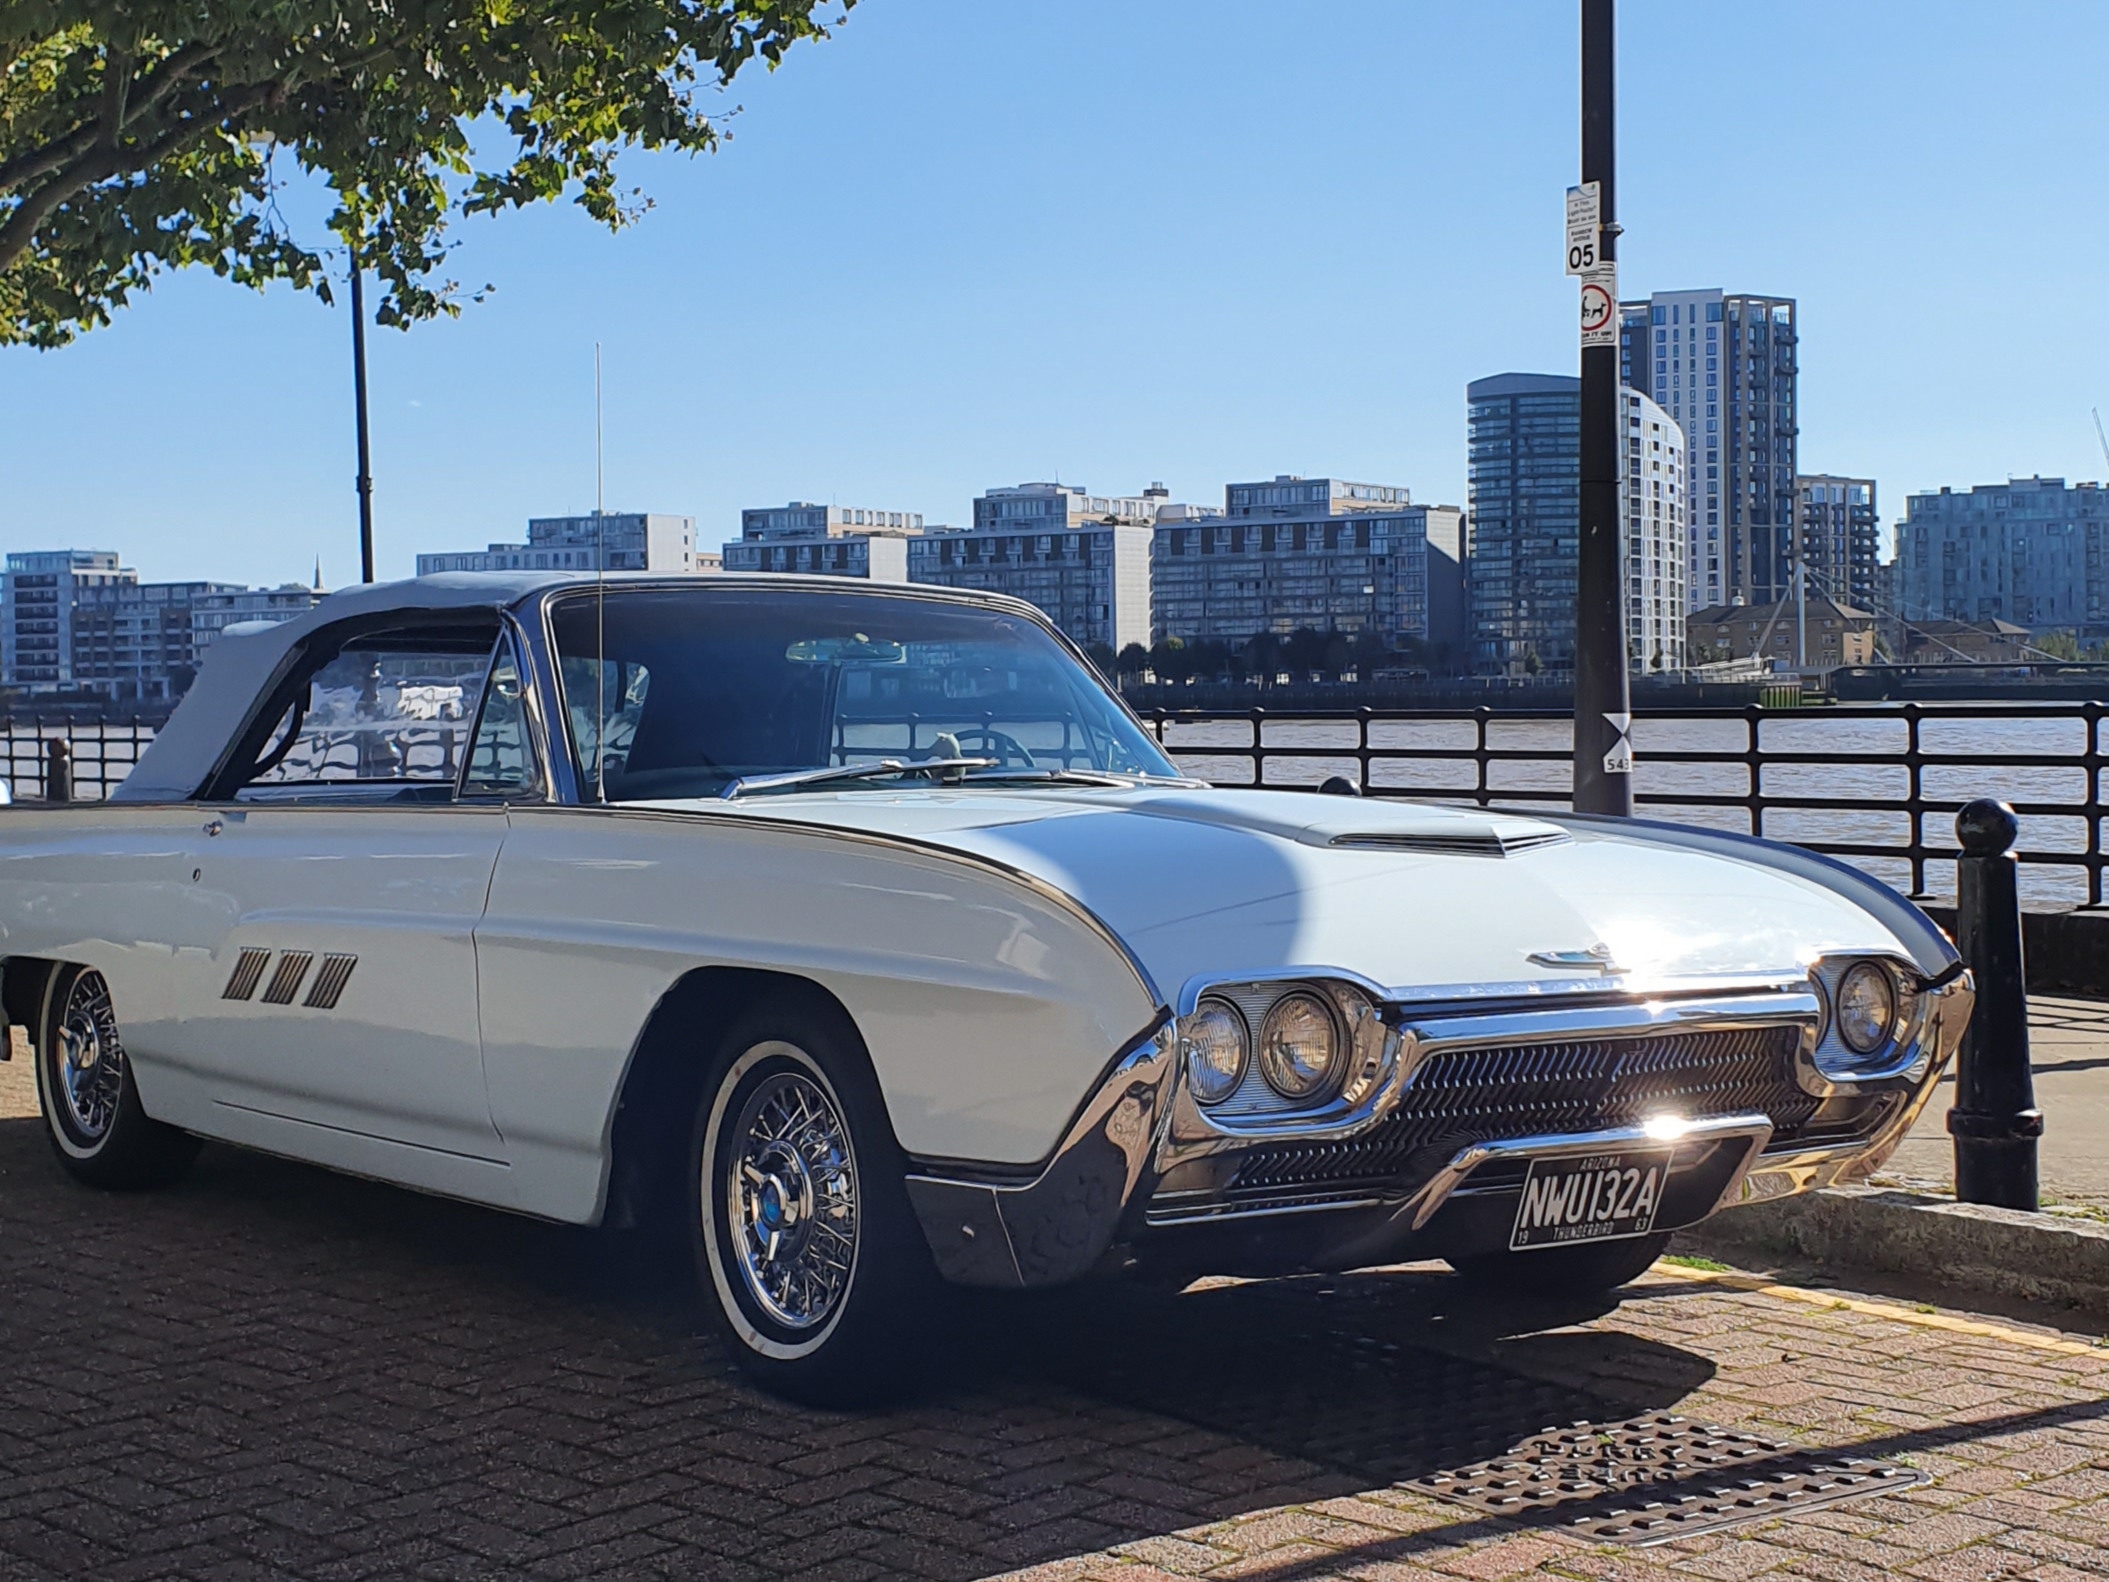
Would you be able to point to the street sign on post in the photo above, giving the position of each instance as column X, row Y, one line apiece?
column 1585, row 225
column 1600, row 306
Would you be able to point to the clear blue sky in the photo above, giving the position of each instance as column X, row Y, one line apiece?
column 968, row 243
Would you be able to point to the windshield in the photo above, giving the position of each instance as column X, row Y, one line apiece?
column 681, row 692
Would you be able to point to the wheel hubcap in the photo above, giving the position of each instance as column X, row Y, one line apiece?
column 791, row 1202
column 90, row 1059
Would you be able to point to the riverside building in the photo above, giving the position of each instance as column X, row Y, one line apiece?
column 1725, row 366
column 1320, row 553
column 1525, row 468
column 1839, row 531
column 77, row 620
column 824, row 540
column 2031, row 551
column 629, row 540
column 1083, row 558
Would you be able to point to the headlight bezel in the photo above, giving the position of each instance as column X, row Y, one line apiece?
column 1228, row 1009
column 1278, row 1072
column 1844, row 1015
column 1370, row 1049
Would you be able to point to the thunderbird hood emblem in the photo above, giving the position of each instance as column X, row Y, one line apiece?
column 1597, row 958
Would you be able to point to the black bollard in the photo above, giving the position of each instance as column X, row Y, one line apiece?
column 58, row 771
column 1995, row 1122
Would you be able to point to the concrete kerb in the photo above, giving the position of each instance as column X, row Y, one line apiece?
column 1962, row 1246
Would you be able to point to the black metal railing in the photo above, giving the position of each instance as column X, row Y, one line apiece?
column 1811, row 777
column 101, row 755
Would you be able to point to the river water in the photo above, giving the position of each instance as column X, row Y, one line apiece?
column 1305, row 760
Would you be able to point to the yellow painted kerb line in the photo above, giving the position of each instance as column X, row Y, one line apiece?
column 1902, row 1315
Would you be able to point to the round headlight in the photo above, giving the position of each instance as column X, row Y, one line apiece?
column 1216, row 1051
column 1867, row 1007
column 1299, row 1046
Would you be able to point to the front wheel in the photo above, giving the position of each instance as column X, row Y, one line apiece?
column 85, row 1088
column 1588, row 1270
column 807, row 1243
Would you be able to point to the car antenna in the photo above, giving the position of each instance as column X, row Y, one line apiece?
column 600, row 603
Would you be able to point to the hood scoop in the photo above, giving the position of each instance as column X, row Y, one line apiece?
column 1481, row 842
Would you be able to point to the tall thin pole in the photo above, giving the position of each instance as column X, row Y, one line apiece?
column 1603, row 770
column 364, row 481
column 600, row 601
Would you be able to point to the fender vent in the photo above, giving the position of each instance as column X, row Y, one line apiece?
column 248, row 971
column 330, row 981
column 285, row 982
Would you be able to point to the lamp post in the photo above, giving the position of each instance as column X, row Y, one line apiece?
column 364, row 482
column 1603, row 709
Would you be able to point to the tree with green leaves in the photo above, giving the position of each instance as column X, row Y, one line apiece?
column 158, row 134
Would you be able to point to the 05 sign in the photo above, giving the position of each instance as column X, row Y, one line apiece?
column 1585, row 228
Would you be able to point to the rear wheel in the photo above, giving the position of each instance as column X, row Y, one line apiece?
column 1564, row 1271
column 85, row 1087
column 806, row 1241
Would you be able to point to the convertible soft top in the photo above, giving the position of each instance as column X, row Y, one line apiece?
column 240, row 666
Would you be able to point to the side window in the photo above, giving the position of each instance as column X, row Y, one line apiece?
column 501, row 755
column 388, row 716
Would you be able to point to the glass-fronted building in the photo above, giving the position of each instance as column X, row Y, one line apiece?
column 1525, row 476
column 1725, row 366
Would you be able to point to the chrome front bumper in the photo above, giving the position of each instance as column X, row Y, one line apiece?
column 1056, row 1222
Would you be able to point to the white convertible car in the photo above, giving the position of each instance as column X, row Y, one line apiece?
column 865, row 931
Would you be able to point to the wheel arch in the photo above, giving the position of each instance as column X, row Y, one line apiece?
column 662, row 1083
column 23, row 980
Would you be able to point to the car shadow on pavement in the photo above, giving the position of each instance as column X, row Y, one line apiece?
column 274, row 1366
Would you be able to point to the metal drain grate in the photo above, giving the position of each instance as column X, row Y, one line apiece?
column 1651, row 1479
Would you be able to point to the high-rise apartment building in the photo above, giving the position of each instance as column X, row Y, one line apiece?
column 2033, row 551
column 38, row 593
column 1084, row 559
column 1724, row 366
column 824, row 540
column 1840, row 527
column 75, row 620
column 629, row 541
column 136, row 641
column 1525, row 469
column 1317, row 553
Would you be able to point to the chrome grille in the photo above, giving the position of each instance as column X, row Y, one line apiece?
column 1462, row 1096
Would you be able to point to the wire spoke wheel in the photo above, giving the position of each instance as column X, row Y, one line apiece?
column 89, row 1060
column 791, row 1201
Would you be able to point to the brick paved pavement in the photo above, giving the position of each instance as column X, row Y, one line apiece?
column 273, row 1372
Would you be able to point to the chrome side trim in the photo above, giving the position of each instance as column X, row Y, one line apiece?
column 1420, row 1208
column 1057, row 1225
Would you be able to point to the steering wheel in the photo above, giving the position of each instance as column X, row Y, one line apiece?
column 1001, row 744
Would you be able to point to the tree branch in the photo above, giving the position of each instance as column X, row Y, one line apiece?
column 143, row 95
column 100, row 163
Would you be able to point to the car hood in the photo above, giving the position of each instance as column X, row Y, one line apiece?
column 1413, row 897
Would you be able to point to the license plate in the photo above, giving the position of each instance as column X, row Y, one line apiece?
column 1600, row 1197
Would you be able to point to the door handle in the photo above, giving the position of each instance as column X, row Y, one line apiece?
column 214, row 826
